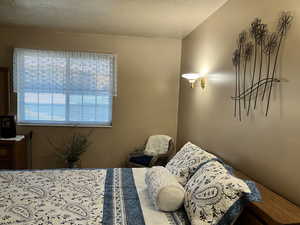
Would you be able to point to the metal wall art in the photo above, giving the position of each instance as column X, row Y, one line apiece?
column 255, row 62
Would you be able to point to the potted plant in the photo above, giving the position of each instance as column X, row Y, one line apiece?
column 72, row 149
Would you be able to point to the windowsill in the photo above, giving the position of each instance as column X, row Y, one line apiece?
column 63, row 125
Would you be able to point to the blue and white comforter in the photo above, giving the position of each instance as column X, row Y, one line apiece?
column 80, row 197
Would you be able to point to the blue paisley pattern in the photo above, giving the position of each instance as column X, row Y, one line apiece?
column 212, row 193
column 52, row 197
column 185, row 163
column 76, row 197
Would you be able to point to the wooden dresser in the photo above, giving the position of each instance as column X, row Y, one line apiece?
column 13, row 154
column 272, row 210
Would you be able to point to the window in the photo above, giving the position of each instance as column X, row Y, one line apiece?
column 68, row 88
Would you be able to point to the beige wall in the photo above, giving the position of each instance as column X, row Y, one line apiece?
column 267, row 149
column 147, row 101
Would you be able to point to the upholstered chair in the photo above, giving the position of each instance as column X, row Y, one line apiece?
column 157, row 157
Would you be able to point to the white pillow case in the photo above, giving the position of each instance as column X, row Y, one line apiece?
column 164, row 191
column 184, row 164
column 212, row 194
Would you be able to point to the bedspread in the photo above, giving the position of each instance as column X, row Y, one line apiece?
column 80, row 197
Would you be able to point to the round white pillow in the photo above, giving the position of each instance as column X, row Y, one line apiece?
column 164, row 190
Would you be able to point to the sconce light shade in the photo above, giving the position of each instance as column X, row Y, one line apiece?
column 191, row 77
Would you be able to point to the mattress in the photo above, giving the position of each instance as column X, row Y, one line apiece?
column 115, row 196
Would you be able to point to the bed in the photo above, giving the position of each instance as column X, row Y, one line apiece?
column 80, row 196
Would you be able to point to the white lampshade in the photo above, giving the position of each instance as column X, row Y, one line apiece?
column 191, row 76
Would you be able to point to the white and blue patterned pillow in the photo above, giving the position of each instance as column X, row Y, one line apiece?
column 164, row 191
column 213, row 196
column 184, row 164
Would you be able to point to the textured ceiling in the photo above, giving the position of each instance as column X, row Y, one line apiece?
column 159, row 18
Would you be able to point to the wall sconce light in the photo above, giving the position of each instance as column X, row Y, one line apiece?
column 193, row 78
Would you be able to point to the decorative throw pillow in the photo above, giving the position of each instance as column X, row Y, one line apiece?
column 164, row 191
column 214, row 196
column 184, row 164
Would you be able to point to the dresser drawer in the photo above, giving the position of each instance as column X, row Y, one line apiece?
column 6, row 164
column 13, row 154
column 6, row 151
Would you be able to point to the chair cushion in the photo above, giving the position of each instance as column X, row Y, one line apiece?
column 164, row 191
column 184, row 164
column 214, row 196
column 144, row 160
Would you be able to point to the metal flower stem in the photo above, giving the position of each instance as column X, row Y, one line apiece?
column 239, row 86
column 254, row 88
column 260, row 70
column 236, row 62
column 273, row 72
column 236, row 78
column 244, row 81
column 268, row 73
column 253, row 75
column 241, row 41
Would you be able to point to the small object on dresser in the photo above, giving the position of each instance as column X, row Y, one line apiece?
column 8, row 126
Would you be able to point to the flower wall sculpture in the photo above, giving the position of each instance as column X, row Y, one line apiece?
column 257, row 51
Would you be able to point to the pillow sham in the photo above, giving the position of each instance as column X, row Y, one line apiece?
column 163, row 189
column 213, row 196
column 184, row 164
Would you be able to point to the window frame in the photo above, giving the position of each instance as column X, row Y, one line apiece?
column 62, row 123
column 67, row 123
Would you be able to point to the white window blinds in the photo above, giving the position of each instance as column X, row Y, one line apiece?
column 56, row 87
